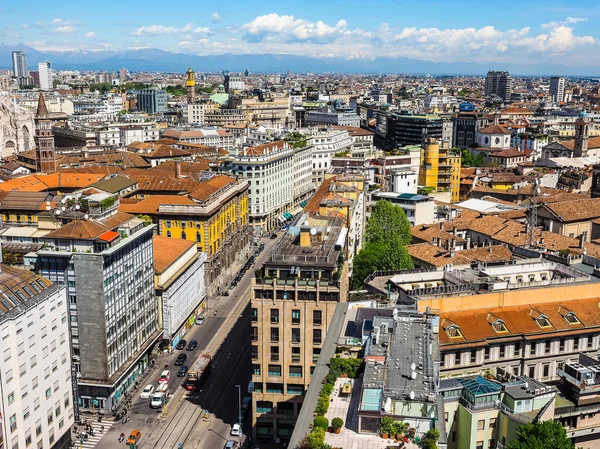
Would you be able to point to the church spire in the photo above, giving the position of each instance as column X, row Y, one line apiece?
column 42, row 110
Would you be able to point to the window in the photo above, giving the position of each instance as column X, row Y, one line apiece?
column 254, row 334
column 255, row 369
column 481, row 424
column 546, row 347
column 33, row 361
column 264, row 407
column 546, row 370
column 67, row 400
column 34, row 383
column 317, row 340
column 48, row 393
column 492, row 423
column 316, row 353
column 479, row 444
column 254, row 352
column 576, row 344
column 25, row 413
column 457, row 358
column 254, row 314
column 274, row 353
column 317, row 317
column 502, row 351
column 531, row 371
column 473, row 356
column 561, row 345
column 275, row 370
column 295, row 317
column 543, row 321
column 532, row 349
column 274, row 316
column 275, row 335
column 499, row 327
column 50, row 417
column 295, row 389
column 295, row 371
column 295, row 354
column 23, row 369
column 11, row 398
column 38, row 428
column 571, row 318
column 295, row 335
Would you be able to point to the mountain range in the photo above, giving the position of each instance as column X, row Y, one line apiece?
column 154, row 59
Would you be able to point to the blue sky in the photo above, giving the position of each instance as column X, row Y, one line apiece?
column 448, row 31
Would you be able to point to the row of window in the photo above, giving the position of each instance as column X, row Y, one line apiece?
column 317, row 335
column 274, row 315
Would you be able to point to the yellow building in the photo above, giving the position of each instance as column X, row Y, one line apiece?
column 190, row 86
column 215, row 216
column 440, row 168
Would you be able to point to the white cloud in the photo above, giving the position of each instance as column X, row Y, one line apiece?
column 290, row 29
column 154, row 30
column 567, row 21
column 216, row 17
column 90, row 34
column 64, row 29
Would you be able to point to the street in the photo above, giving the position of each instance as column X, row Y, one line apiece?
column 224, row 335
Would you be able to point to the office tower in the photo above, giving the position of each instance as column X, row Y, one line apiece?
column 105, row 260
column 122, row 75
column 557, row 88
column 498, row 84
column 152, row 101
column 45, row 155
column 190, row 86
column 36, row 378
column 45, row 69
column 19, row 64
column 294, row 297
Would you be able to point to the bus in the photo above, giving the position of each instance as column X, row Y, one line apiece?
column 199, row 373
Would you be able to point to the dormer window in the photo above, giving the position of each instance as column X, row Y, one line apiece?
column 452, row 330
column 571, row 318
column 499, row 327
column 543, row 321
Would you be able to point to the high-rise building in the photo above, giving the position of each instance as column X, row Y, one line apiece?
column 190, row 86
column 498, row 84
column 152, row 101
column 122, row 75
column 36, row 378
column 105, row 260
column 293, row 302
column 557, row 88
column 233, row 83
column 440, row 168
column 19, row 64
column 45, row 69
column 45, row 154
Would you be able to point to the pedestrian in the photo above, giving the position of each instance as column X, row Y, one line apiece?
column 102, row 429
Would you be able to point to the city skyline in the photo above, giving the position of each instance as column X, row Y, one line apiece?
column 471, row 32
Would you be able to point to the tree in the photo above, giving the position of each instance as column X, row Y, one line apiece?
column 322, row 422
column 365, row 263
column 541, row 435
column 467, row 159
column 387, row 222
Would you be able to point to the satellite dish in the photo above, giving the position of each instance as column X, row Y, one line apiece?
column 411, row 395
column 47, row 203
column 63, row 208
column 86, row 216
column 77, row 207
column 63, row 200
column 48, row 207
column 57, row 211
column 313, row 231
column 412, row 366
column 413, row 375
column 387, row 406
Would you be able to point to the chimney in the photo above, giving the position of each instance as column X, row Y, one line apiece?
column 178, row 169
column 496, row 118
column 305, row 236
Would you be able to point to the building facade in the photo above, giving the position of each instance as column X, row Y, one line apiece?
column 498, row 84
column 152, row 101
column 557, row 88
column 46, row 78
column 36, row 379
column 293, row 302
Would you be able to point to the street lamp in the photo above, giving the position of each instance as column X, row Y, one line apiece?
column 240, row 410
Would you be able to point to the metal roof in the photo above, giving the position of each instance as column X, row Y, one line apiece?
column 480, row 386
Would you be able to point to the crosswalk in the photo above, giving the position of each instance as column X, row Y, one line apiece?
column 92, row 440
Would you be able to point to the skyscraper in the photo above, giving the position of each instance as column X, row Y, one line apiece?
column 498, row 84
column 45, row 69
column 19, row 64
column 557, row 88
column 122, row 75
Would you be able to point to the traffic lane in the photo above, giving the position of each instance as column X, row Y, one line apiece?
column 201, row 333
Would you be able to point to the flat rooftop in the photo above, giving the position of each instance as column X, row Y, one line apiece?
column 327, row 237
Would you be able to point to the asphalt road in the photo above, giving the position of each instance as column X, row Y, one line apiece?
column 184, row 420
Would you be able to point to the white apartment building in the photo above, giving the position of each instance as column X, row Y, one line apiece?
column 45, row 71
column 109, row 104
column 325, row 144
column 53, row 103
column 139, row 133
column 269, row 169
column 36, row 384
column 211, row 137
column 195, row 112
column 302, row 185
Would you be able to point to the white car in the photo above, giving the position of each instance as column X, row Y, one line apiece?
column 236, row 430
column 147, row 392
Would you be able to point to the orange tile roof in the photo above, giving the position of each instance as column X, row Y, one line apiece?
column 266, row 148
column 211, row 186
column 149, row 206
column 495, row 129
column 54, row 181
column 570, row 211
column 475, row 325
column 168, row 250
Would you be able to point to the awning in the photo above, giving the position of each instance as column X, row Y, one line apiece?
column 287, row 215
column 109, row 236
column 281, row 218
column 303, row 203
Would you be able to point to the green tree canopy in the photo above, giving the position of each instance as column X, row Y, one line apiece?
column 387, row 223
column 542, row 435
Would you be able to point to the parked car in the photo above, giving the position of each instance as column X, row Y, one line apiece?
column 230, row 444
column 200, row 320
column 164, row 376
column 181, row 344
column 192, row 345
column 181, row 359
column 147, row 392
column 236, row 430
column 182, row 371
